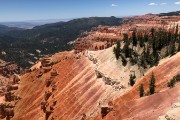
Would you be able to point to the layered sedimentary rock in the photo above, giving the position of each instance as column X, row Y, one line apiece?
column 74, row 85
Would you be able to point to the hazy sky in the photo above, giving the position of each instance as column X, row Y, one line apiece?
column 19, row 10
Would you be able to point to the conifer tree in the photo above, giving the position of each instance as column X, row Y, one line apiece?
column 126, row 49
column 153, row 32
column 167, row 51
column 146, row 37
column 117, row 50
column 134, row 38
column 178, row 50
column 176, row 32
column 152, row 85
column 148, row 56
column 172, row 48
column 124, row 61
column 169, row 37
column 132, row 80
column 125, row 39
column 141, row 90
column 154, row 45
column 141, row 40
column 178, row 46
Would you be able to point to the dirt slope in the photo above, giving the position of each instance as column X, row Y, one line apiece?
column 78, row 90
column 129, row 106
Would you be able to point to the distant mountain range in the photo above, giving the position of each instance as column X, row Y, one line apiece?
column 177, row 13
column 4, row 29
column 29, row 24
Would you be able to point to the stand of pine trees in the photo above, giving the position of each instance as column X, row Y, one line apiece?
column 152, row 43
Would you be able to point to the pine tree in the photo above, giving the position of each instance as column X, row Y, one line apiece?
column 126, row 49
column 156, row 58
column 152, row 85
column 141, row 40
column 118, row 45
column 169, row 37
column 153, row 32
column 141, row 90
column 132, row 80
column 172, row 48
column 167, row 51
column 148, row 55
column 154, row 46
column 125, row 38
column 165, row 38
column 178, row 46
column 124, row 61
column 134, row 38
column 176, row 32
column 146, row 37
column 117, row 50
column 160, row 41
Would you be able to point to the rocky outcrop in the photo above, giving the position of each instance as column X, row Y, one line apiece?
column 115, row 83
column 45, row 62
column 109, row 81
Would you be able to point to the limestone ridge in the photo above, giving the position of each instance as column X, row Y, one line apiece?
column 107, row 80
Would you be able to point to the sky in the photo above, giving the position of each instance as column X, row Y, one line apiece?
column 22, row 10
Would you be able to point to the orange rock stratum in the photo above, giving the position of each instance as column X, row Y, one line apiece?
column 78, row 86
